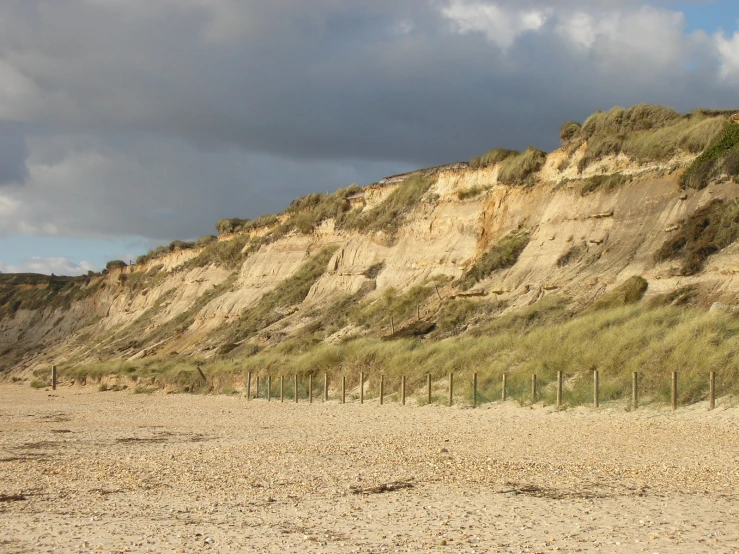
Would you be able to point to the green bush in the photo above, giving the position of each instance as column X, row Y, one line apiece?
column 607, row 183
column 708, row 231
column 646, row 133
column 492, row 157
column 520, row 169
column 115, row 264
column 569, row 131
column 722, row 157
column 629, row 292
column 502, row 255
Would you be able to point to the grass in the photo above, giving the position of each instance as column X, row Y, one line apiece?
column 399, row 308
column 645, row 133
column 502, row 255
column 542, row 339
column 629, row 292
column 606, row 183
column 721, row 158
column 492, row 157
column 227, row 253
column 28, row 291
column 290, row 292
column 39, row 384
column 390, row 214
column 709, row 230
column 521, row 168
column 471, row 192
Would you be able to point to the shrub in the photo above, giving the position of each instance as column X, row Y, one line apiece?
column 492, row 157
column 205, row 240
column 502, row 255
column 646, row 133
column 470, row 192
column 629, row 292
column 390, row 214
column 228, row 253
column 569, row 131
column 709, row 230
column 227, row 226
column 115, row 264
column 606, row 183
column 520, row 169
column 39, row 384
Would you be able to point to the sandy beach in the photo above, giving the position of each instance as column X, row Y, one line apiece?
column 89, row 471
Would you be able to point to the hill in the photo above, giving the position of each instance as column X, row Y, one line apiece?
column 615, row 252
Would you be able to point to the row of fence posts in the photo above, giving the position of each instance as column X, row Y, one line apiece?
column 504, row 395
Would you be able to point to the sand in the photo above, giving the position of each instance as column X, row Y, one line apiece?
column 89, row 471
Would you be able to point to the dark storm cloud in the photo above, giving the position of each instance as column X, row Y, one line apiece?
column 160, row 116
column 13, row 154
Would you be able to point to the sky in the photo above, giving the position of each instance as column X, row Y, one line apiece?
column 126, row 124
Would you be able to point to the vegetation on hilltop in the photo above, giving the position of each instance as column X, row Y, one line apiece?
column 720, row 158
column 643, row 132
column 516, row 168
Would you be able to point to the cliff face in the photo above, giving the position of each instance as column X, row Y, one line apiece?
column 583, row 235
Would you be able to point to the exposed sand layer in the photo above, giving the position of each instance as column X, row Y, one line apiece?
column 86, row 471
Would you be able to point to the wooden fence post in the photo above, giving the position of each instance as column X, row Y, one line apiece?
column 282, row 388
column 559, row 389
column 504, row 395
column 382, row 389
column 361, row 387
column 257, row 387
column 269, row 388
column 674, row 391
column 533, row 388
column 428, row 383
column 474, row 390
column 596, row 388
column 248, row 386
column 402, row 389
column 296, row 387
column 325, row 387
column 343, row 389
column 712, row 391
column 53, row 377
column 635, row 390
column 310, row 388
column 451, row 387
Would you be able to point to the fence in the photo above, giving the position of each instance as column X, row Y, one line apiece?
column 303, row 389
column 475, row 396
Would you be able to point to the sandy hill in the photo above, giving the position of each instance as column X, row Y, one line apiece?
column 605, row 254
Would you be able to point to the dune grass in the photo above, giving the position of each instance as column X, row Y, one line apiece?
column 390, row 214
column 709, row 230
column 501, row 255
column 540, row 340
column 645, row 133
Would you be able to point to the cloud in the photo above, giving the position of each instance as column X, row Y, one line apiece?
column 158, row 117
column 728, row 48
column 57, row 266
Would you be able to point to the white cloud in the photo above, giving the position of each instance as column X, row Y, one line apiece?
column 55, row 265
column 500, row 25
column 728, row 48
